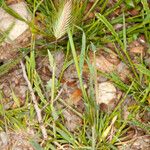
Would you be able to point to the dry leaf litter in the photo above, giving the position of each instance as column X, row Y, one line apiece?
column 108, row 94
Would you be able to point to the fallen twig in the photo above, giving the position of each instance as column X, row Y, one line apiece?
column 37, row 109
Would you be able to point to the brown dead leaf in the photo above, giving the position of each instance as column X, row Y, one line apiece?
column 9, row 2
column 103, row 64
column 113, row 58
column 134, row 12
column 137, row 50
column 134, row 44
column 138, row 46
column 71, row 83
column 88, row 7
column 123, row 71
column 91, row 15
column 76, row 96
column 73, row 96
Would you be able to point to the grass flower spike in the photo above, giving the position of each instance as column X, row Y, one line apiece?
column 63, row 20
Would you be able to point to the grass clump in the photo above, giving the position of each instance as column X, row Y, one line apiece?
column 67, row 25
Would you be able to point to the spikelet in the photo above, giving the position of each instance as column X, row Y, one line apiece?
column 63, row 20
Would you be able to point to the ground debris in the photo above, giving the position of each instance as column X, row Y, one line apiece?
column 72, row 121
column 123, row 72
column 136, row 48
column 137, row 143
column 104, row 65
column 10, row 2
column 43, row 65
column 16, row 140
column 113, row 47
column 13, row 83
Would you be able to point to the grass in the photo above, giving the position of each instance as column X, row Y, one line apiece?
column 83, row 35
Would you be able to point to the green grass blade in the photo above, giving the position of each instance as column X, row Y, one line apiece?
column 77, row 65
